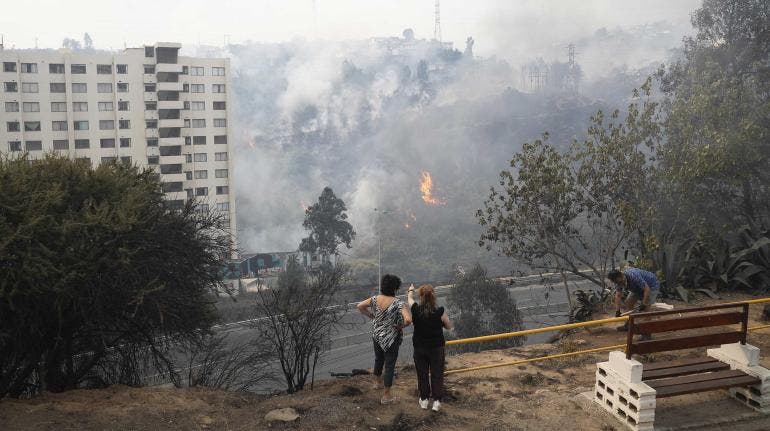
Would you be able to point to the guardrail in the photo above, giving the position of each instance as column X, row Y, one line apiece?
column 564, row 327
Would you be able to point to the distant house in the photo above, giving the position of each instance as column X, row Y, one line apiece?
column 312, row 261
column 253, row 265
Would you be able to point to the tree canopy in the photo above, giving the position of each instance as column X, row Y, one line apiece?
column 327, row 222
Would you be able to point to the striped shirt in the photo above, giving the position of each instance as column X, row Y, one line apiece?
column 385, row 324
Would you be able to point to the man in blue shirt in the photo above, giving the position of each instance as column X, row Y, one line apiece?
column 641, row 285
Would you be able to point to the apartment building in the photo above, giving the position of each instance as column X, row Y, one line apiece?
column 147, row 106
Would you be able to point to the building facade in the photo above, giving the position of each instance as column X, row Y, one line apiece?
column 146, row 106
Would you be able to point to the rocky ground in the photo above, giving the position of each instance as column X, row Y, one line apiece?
column 534, row 396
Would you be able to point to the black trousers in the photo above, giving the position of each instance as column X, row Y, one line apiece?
column 386, row 358
column 429, row 364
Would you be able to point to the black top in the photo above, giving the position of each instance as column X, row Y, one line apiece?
column 428, row 330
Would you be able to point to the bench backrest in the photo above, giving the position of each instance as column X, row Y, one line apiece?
column 692, row 318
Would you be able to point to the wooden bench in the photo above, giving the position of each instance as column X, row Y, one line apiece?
column 628, row 388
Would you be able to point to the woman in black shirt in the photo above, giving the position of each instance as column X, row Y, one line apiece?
column 428, row 340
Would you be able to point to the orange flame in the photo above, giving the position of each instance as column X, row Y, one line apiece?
column 426, row 188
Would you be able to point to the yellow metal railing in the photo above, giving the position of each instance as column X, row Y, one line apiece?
column 560, row 328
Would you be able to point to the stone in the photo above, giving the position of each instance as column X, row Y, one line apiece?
column 629, row 370
column 284, row 415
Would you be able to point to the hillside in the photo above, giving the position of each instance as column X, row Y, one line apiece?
column 539, row 396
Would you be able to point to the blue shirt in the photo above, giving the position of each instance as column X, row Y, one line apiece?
column 637, row 278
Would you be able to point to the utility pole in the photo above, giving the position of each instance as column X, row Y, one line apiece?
column 379, row 248
column 437, row 27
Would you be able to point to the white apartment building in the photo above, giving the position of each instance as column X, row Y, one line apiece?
column 146, row 106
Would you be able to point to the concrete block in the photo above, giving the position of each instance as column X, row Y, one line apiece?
column 641, row 391
column 742, row 354
column 630, row 370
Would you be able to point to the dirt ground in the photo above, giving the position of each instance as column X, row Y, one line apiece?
column 535, row 396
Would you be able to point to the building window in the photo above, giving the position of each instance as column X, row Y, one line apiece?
column 79, row 125
column 121, row 68
column 220, row 157
column 13, row 126
column 80, row 106
column 188, row 175
column 82, row 144
column 58, row 106
column 199, row 140
column 149, row 69
column 196, row 71
column 201, row 175
column 220, row 106
column 150, row 106
column 122, row 87
column 105, row 106
column 107, row 125
column 152, row 160
column 197, row 106
column 31, row 106
column 185, row 88
column 108, row 159
column 220, row 122
column 107, row 143
column 220, row 139
column 220, row 173
column 152, row 142
column 186, row 105
column 188, row 158
column 33, row 145
column 201, row 191
column 222, row 190
column 151, row 124
column 29, row 87
column 218, row 71
column 122, row 105
column 187, row 140
column 78, row 69
column 104, row 87
column 186, row 123
column 55, row 68
column 58, row 126
column 149, row 88
column 172, row 187
column 79, row 87
column 11, row 106
column 217, row 88
column 61, row 144
column 57, row 87
column 14, row 146
column 185, row 70
column 11, row 87
column 223, row 206
column 199, row 123
column 171, row 150
column 124, row 124
column 200, row 157
column 197, row 88
column 173, row 168
column 103, row 69
column 149, row 51
column 125, row 160
column 28, row 67
column 9, row 66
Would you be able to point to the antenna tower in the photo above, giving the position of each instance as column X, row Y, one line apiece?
column 437, row 27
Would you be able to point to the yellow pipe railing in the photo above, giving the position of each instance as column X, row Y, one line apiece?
column 563, row 327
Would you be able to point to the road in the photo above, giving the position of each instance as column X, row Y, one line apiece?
column 540, row 305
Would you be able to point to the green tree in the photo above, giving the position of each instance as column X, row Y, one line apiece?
column 327, row 222
column 479, row 306
column 97, row 278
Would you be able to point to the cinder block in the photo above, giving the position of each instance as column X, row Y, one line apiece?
column 741, row 354
column 629, row 370
column 641, row 391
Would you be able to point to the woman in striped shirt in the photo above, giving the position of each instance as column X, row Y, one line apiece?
column 389, row 316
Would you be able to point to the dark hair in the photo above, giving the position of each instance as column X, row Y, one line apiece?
column 614, row 275
column 390, row 283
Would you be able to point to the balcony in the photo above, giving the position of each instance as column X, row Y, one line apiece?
column 171, row 123
column 150, row 96
column 169, row 86
column 178, row 104
column 171, row 178
column 151, row 133
column 153, row 151
column 172, row 160
column 171, row 141
column 168, row 68
column 150, row 115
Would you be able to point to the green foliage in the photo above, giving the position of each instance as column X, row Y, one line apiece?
column 479, row 306
column 96, row 274
column 327, row 222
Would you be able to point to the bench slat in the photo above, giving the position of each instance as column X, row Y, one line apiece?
column 678, row 363
column 692, row 378
column 684, row 370
column 710, row 385
column 679, row 343
column 681, row 323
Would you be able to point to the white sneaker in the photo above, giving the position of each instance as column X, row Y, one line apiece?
column 424, row 403
column 436, row 405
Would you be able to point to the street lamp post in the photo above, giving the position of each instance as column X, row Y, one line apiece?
column 379, row 250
